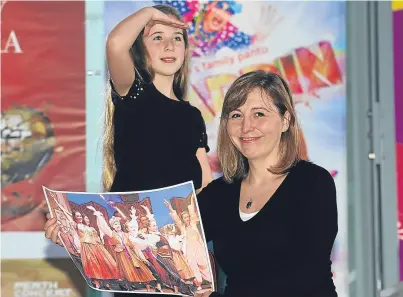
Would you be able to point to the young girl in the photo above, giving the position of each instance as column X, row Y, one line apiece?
column 152, row 138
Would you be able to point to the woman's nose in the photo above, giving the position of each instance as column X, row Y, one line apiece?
column 246, row 125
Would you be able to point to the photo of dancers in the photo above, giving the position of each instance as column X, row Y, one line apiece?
column 150, row 241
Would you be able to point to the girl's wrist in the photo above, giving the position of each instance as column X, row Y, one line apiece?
column 149, row 11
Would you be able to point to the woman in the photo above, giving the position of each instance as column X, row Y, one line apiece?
column 272, row 217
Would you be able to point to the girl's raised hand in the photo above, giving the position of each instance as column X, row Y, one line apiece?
column 159, row 17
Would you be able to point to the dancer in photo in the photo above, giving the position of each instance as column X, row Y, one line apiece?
column 98, row 264
column 131, row 267
column 176, row 242
column 141, row 246
column 194, row 250
column 161, row 256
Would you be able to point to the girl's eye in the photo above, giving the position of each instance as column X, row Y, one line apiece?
column 157, row 38
column 235, row 116
column 178, row 38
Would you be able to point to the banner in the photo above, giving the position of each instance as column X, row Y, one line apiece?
column 43, row 106
column 302, row 41
column 398, row 77
column 42, row 138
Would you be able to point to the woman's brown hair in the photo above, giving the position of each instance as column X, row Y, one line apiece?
column 233, row 163
column 144, row 73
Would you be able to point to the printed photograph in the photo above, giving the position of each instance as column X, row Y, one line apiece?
column 150, row 241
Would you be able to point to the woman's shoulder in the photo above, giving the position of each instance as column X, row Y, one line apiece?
column 313, row 177
column 217, row 187
column 311, row 171
column 212, row 194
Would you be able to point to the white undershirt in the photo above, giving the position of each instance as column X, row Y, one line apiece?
column 246, row 216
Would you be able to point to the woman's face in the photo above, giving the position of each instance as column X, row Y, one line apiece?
column 171, row 230
column 86, row 220
column 186, row 218
column 153, row 227
column 255, row 128
column 131, row 228
column 116, row 226
column 78, row 217
column 166, row 49
column 144, row 220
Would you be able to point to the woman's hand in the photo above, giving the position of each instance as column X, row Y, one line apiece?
column 158, row 17
column 52, row 228
column 91, row 208
column 148, row 213
column 167, row 204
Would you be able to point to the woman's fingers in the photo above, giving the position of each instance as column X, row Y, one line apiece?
column 49, row 223
column 51, row 232
column 55, row 234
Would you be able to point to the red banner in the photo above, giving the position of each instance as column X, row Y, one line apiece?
column 43, row 106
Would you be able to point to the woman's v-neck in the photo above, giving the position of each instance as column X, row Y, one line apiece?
column 268, row 203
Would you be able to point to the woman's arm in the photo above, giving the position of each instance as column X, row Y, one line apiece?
column 318, row 227
column 149, row 215
column 194, row 219
column 173, row 214
column 101, row 222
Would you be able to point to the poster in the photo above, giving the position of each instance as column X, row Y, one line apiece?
column 398, row 77
column 42, row 138
column 43, row 106
column 305, row 42
column 148, row 241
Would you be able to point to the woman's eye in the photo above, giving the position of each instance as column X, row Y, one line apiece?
column 157, row 38
column 259, row 114
column 178, row 38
